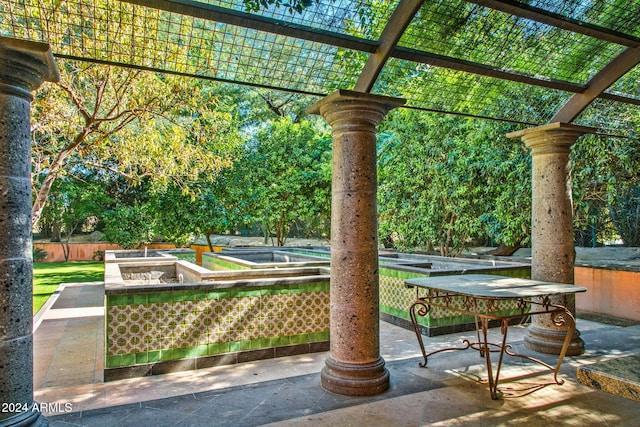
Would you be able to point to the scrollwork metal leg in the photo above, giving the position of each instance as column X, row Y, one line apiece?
column 563, row 317
column 423, row 310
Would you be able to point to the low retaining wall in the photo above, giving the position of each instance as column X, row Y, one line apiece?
column 611, row 290
column 396, row 299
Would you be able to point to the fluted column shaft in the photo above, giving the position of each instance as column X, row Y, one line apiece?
column 354, row 366
column 552, row 246
column 23, row 67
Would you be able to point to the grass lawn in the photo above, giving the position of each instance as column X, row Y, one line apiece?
column 47, row 276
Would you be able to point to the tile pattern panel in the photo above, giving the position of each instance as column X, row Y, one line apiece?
column 170, row 325
column 216, row 264
column 396, row 299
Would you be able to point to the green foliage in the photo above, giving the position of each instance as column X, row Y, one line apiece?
column 445, row 180
column 291, row 5
column 625, row 214
column 39, row 254
column 286, row 177
column 136, row 124
column 74, row 203
column 604, row 175
column 129, row 226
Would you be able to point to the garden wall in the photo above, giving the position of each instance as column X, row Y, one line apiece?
column 611, row 291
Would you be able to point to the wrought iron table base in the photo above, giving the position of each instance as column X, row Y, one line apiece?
column 560, row 316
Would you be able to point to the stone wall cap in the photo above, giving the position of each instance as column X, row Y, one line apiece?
column 552, row 126
column 350, row 95
column 37, row 50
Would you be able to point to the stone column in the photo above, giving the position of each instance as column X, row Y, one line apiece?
column 553, row 252
column 23, row 67
column 354, row 366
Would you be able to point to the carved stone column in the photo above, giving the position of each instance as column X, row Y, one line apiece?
column 354, row 367
column 23, row 67
column 553, row 252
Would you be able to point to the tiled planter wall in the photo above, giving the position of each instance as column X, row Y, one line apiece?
column 260, row 259
column 396, row 299
column 201, row 326
column 216, row 264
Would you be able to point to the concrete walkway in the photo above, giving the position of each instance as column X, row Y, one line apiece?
column 452, row 390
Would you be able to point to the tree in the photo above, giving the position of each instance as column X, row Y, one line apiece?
column 129, row 226
column 445, row 180
column 604, row 176
column 74, row 205
column 286, row 172
column 128, row 122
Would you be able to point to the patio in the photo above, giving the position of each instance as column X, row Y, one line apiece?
column 286, row 391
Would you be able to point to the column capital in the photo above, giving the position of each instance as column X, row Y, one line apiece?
column 24, row 65
column 349, row 106
column 552, row 137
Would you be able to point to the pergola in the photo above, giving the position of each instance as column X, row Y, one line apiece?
column 560, row 68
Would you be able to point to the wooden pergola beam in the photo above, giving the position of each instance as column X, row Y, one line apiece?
column 619, row 66
column 393, row 31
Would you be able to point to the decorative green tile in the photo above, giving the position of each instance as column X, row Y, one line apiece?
column 317, row 336
column 114, row 361
column 318, row 287
column 244, row 292
column 213, row 349
column 128, row 359
column 274, row 342
column 178, row 296
column 166, row 297
column 265, row 342
column 166, row 354
column 140, row 298
column 114, row 300
column 234, row 346
column 153, row 297
column 142, row 358
column 295, row 339
column 298, row 289
column 284, row 340
column 224, row 347
column 222, row 294
column 127, row 299
column 280, row 290
column 153, row 356
column 201, row 350
column 399, row 274
column 190, row 352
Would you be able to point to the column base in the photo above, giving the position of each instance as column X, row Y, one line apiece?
column 26, row 419
column 354, row 379
column 550, row 341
